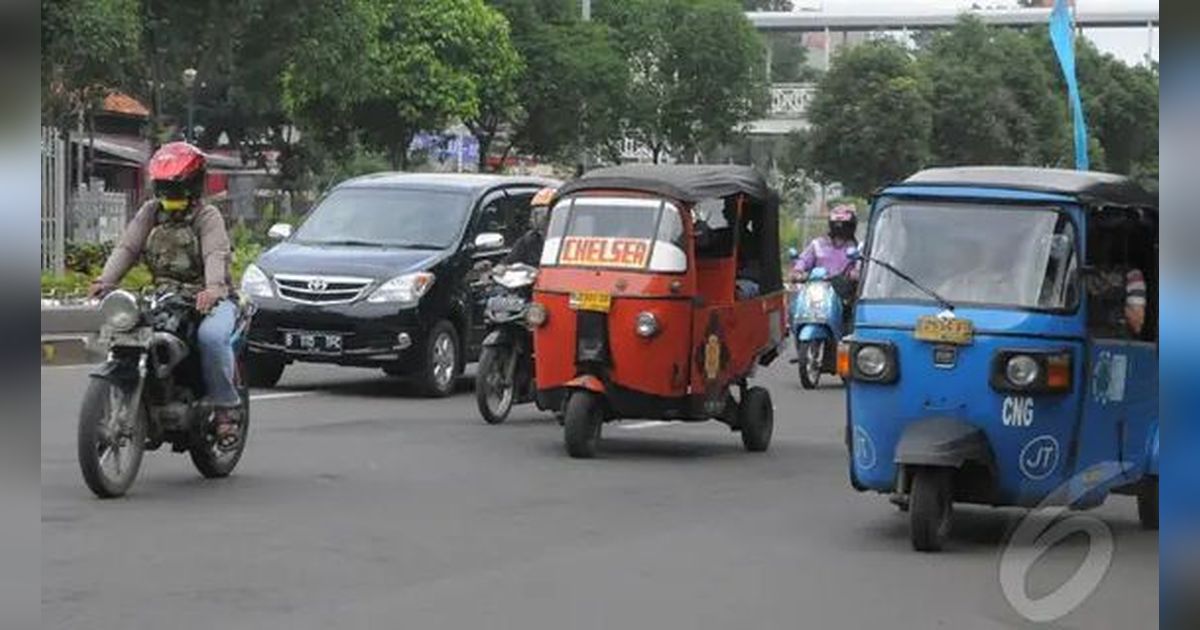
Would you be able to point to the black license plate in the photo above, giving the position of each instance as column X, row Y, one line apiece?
column 325, row 343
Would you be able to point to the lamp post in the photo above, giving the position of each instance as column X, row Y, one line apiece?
column 189, row 82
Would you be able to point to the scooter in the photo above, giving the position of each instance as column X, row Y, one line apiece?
column 817, row 325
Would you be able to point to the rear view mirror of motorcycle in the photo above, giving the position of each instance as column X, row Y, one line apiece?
column 853, row 254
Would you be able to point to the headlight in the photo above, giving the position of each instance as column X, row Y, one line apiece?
column 1021, row 370
column 816, row 297
column 120, row 310
column 255, row 283
column 535, row 315
column 516, row 277
column 871, row 361
column 405, row 290
column 647, row 324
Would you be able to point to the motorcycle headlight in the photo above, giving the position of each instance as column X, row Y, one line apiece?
column 255, row 283
column 516, row 277
column 405, row 290
column 816, row 298
column 120, row 310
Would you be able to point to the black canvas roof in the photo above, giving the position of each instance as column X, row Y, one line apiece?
column 1089, row 186
column 685, row 182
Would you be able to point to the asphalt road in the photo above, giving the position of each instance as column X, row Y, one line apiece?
column 359, row 505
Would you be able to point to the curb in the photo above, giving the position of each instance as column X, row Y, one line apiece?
column 69, row 350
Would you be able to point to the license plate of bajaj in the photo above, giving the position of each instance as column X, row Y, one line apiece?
column 950, row 330
column 591, row 301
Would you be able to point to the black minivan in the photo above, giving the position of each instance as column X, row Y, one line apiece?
column 383, row 272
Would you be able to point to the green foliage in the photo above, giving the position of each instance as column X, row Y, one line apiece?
column 767, row 5
column 871, row 119
column 88, row 48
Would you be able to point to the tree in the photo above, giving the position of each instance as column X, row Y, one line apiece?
column 767, row 5
column 696, row 71
column 381, row 71
column 871, row 118
column 994, row 100
column 89, row 49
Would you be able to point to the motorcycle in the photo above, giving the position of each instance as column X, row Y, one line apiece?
column 150, row 391
column 505, row 372
column 817, row 326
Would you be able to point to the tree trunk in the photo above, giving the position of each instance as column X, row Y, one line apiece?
column 485, row 143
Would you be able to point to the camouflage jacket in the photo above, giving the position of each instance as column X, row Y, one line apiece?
column 189, row 252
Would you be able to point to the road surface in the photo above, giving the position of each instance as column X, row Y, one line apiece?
column 360, row 505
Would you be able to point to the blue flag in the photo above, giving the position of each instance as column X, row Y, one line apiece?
column 1062, row 37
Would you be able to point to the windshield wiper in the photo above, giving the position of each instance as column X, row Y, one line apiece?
column 943, row 302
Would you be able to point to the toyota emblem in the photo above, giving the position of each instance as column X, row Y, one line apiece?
column 317, row 285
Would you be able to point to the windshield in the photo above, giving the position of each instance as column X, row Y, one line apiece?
column 395, row 217
column 633, row 233
column 981, row 255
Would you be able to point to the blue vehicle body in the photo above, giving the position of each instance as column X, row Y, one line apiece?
column 817, row 321
column 942, row 407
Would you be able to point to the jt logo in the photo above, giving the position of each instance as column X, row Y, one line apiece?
column 1039, row 457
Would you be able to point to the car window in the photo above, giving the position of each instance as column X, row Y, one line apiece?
column 387, row 216
column 517, row 211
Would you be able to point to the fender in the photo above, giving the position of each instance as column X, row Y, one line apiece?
column 943, row 442
column 120, row 373
column 588, row 382
column 501, row 336
column 813, row 332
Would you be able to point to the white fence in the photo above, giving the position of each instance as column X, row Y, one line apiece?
column 55, row 161
column 98, row 216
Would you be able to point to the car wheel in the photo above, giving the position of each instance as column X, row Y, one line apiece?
column 441, row 361
column 264, row 370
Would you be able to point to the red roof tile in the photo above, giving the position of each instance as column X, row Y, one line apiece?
column 121, row 103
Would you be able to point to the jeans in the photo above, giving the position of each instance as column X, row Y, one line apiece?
column 215, row 338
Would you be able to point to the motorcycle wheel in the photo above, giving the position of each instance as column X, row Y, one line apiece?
column 494, row 389
column 210, row 461
column 812, row 357
column 109, row 455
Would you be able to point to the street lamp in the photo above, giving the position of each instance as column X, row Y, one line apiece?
column 189, row 82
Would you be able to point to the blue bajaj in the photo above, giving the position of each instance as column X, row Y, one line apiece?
column 817, row 324
column 1005, row 344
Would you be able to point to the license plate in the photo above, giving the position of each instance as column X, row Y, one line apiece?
column 944, row 330
column 591, row 301
column 313, row 342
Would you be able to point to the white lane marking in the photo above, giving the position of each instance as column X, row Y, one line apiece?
column 648, row 424
column 278, row 395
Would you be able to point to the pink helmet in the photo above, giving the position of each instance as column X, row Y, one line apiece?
column 842, row 221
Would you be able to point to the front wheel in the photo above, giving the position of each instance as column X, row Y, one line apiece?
column 812, row 358
column 111, row 438
column 582, row 419
column 757, row 419
column 494, row 386
column 1147, row 503
column 930, row 504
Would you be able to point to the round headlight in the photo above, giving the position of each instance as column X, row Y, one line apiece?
column 1021, row 370
column 535, row 315
column 871, row 361
column 647, row 324
column 119, row 310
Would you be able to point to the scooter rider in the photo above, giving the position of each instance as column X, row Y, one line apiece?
column 832, row 252
column 184, row 244
column 528, row 248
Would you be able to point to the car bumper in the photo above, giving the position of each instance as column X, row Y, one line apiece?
column 372, row 335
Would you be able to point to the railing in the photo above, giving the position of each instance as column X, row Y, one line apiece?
column 790, row 100
column 54, row 200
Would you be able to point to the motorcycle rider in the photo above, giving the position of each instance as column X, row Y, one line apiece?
column 528, row 248
column 832, row 252
column 184, row 244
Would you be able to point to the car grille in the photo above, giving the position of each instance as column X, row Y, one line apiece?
column 320, row 289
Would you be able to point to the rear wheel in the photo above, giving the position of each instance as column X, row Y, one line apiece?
column 111, row 438
column 582, row 419
column 756, row 419
column 1147, row 502
column 812, row 358
column 212, row 462
column 264, row 370
column 494, row 387
column 441, row 361
column 930, row 505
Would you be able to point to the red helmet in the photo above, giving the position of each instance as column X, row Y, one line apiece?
column 177, row 170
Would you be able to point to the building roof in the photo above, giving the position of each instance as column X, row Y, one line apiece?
column 1088, row 186
column 474, row 182
column 121, row 103
column 685, row 182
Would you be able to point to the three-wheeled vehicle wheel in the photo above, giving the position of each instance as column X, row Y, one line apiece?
column 1147, row 502
column 582, row 418
column 812, row 358
column 930, row 505
column 756, row 419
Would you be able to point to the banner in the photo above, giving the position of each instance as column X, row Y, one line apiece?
column 1062, row 28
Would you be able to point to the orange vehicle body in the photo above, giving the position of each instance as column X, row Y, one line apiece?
column 708, row 339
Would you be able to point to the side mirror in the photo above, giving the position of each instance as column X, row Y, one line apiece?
column 489, row 241
column 793, row 254
column 853, row 254
column 279, row 232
